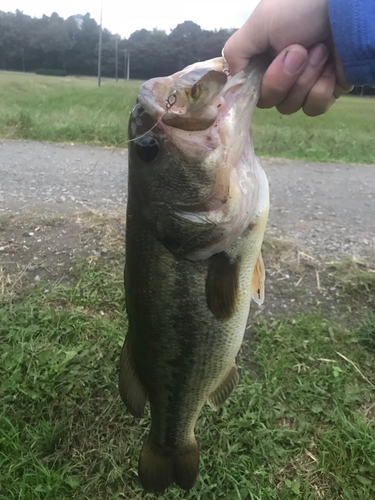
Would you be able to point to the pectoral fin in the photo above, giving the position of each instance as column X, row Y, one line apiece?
column 222, row 286
column 257, row 285
column 131, row 389
column 225, row 389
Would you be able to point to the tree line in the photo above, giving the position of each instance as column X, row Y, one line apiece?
column 71, row 45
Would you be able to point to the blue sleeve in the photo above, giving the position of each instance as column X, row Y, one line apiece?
column 353, row 28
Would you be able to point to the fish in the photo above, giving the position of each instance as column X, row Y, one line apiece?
column 198, row 202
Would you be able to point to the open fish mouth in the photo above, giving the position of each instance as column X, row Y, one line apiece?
column 188, row 99
column 205, row 96
column 193, row 102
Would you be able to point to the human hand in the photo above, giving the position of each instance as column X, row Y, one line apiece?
column 306, row 71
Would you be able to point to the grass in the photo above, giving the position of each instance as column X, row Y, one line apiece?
column 46, row 108
column 344, row 133
column 304, row 429
column 70, row 109
column 355, row 280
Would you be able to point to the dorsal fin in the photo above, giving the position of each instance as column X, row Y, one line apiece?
column 257, row 284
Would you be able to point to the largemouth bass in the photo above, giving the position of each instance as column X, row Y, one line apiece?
column 197, row 210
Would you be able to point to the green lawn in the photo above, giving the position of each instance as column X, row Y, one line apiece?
column 345, row 133
column 302, row 429
column 47, row 108
column 75, row 110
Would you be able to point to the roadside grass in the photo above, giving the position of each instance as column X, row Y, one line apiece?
column 303, row 429
column 74, row 109
column 70, row 109
column 355, row 279
column 344, row 133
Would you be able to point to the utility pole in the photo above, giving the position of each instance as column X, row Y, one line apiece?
column 23, row 60
column 125, row 64
column 116, row 59
column 128, row 67
column 100, row 44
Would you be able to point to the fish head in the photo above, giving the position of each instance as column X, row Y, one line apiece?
column 192, row 170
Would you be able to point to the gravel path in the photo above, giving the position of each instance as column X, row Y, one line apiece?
column 328, row 208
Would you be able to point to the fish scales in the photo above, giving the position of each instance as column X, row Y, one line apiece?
column 188, row 279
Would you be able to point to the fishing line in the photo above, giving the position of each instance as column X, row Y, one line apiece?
column 170, row 101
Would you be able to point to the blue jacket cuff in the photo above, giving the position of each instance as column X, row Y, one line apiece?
column 353, row 28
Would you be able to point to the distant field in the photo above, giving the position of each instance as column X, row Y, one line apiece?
column 74, row 109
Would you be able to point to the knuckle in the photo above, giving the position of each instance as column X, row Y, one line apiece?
column 287, row 108
column 271, row 97
column 313, row 111
column 323, row 88
column 316, row 108
column 294, row 100
column 264, row 104
column 339, row 90
column 306, row 81
column 319, row 94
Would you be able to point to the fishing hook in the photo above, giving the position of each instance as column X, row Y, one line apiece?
column 169, row 104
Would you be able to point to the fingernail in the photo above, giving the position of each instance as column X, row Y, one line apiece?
column 293, row 61
column 328, row 70
column 318, row 54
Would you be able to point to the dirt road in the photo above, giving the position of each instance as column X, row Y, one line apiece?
column 328, row 208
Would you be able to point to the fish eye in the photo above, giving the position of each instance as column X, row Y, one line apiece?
column 147, row 148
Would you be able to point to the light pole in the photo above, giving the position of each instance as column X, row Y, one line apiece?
column 125, row 64
column 116, row 57
column 100, row 44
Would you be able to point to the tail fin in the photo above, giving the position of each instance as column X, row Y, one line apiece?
column 158, row 468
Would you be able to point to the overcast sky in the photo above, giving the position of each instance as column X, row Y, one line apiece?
column 125, row 17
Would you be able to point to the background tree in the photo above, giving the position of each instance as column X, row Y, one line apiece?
column 51, row 42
